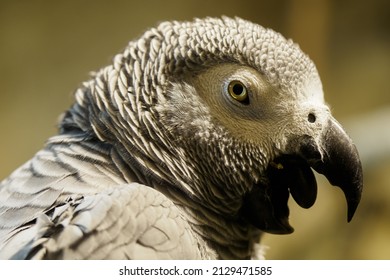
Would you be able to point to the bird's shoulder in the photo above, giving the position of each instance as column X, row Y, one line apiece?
column 62, row 216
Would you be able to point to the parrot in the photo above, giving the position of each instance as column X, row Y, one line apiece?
column 187, row 146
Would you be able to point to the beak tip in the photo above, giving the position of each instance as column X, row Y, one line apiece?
column 353, row 195
column 351, row 213
column 353, row 205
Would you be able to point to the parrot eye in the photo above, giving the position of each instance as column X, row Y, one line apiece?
column 238, row 91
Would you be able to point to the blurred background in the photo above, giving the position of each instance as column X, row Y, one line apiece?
column 47, row 48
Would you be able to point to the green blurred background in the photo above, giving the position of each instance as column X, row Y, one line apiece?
column 47, row 48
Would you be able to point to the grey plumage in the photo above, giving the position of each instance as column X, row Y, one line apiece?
column 184, row 147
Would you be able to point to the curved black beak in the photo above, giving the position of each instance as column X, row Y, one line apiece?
column 340, row 164
column 334, row 155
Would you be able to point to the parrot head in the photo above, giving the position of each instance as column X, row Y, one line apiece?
column 229, row 114
column 248, row 108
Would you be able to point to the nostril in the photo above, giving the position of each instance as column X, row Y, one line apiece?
column 311, row 118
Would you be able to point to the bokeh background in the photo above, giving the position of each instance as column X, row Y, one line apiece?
column 47, row 48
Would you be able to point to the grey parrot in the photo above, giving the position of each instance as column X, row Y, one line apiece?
column 187, row 147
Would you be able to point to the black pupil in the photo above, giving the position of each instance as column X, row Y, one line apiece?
column 238, row 89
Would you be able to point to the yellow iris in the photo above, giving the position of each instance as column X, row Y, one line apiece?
column 238, row 91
